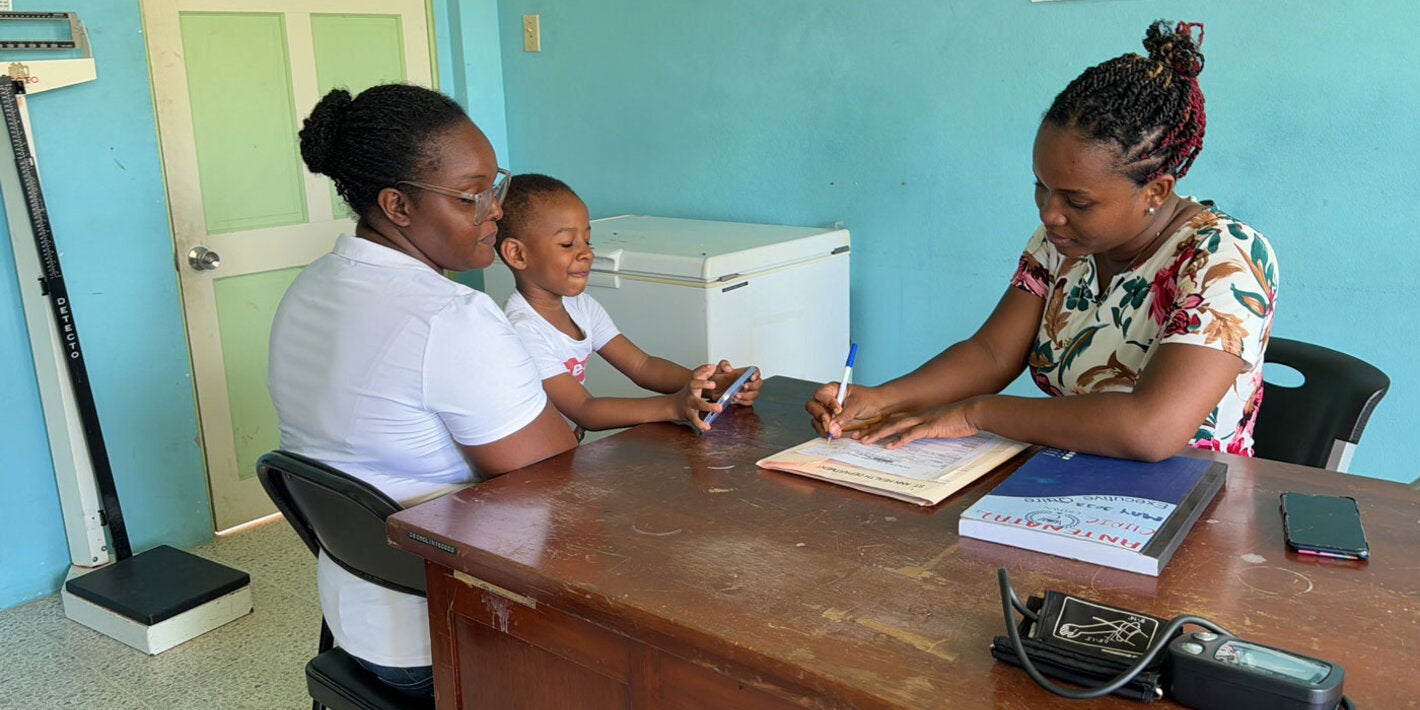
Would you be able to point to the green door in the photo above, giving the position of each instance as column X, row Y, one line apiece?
column 233, row 79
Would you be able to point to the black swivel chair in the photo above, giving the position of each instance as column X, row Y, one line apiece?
column 1319, row 422
column 345, row 517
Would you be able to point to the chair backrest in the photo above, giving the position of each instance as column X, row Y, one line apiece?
column 1319, row 422
column 342, row 515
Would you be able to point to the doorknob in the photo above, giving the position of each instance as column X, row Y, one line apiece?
column 203, row 259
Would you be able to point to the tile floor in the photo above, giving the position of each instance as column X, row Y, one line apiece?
column 256, row 661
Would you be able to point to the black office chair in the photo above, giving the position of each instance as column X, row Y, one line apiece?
column 345, row 517
column 1319, row 422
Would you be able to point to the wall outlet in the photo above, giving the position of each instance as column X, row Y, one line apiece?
column 532, row 33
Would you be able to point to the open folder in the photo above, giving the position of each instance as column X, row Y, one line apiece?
column 924, row 472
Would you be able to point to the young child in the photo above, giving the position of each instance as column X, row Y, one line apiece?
column 545, row 237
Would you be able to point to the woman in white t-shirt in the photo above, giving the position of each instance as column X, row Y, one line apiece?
column 386, row 369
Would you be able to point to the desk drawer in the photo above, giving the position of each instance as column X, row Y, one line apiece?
column 496, row 648
column 567, row 637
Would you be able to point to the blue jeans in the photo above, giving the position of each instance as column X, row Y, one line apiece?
column 416, row 680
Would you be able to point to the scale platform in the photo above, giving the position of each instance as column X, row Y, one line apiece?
column 157, row 599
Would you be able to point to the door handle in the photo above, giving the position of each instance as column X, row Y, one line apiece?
column 203, row 259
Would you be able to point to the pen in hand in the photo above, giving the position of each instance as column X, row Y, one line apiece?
column 847, row 376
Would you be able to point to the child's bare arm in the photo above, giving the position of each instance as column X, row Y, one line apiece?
column 661, row 375
column 647, row 371
column 598, row 413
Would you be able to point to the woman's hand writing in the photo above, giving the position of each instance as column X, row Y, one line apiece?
column 946, row 421
column 863, row 406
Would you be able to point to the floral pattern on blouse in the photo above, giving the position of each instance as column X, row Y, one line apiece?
column 1211, row 283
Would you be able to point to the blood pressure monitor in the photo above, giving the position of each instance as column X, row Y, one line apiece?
column 1210, row 670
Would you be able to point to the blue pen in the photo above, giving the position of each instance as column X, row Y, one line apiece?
column 847, row 376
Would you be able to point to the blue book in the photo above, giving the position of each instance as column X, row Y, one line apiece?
column 1129, row 515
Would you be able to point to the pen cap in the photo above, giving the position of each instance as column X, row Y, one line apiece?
column 852, row 354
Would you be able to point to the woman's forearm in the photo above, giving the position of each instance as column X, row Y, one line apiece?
column 1153, row 421
column 964, row 370
column 1118, row 424
column 982, row 364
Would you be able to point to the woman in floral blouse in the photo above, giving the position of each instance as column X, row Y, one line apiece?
column 1142, row 313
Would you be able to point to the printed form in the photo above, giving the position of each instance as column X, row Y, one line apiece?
column 923, row 460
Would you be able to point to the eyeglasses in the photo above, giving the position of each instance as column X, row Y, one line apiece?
column 482, row 201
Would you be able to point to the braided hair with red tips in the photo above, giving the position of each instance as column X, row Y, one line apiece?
column 1151, row 107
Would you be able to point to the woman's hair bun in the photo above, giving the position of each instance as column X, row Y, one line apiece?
column 1175, row 47
column 319, row 131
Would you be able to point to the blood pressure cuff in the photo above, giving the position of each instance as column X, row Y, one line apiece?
column 1088, row 644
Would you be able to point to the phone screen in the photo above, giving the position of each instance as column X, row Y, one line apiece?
column 1327, row 525
column 736, row 386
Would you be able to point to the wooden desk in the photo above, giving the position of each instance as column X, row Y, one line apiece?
column 656, row 568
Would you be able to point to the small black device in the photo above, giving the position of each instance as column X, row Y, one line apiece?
column 1208, row 670
column 1329, row 526
column 1088, row 643
column 729, row 393
column 1113, row 650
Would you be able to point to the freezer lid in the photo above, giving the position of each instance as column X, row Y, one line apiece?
column 705, row 251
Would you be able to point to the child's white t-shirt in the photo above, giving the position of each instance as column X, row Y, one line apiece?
column 554, row 352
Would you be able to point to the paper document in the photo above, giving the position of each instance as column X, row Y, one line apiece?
column 923, row 472
column 924, row 459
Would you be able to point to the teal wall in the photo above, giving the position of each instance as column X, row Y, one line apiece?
column 912, row 122
column 471, row 70
column 98, row 153
column 471, row 64
column 103, row 185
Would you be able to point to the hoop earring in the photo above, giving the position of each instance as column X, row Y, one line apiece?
column 1150, row 211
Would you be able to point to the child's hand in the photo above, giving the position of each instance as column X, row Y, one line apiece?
column 726, row 374
column 690, row 400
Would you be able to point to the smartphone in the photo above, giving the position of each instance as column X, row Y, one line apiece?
column 1324, row 525
column 729, row 393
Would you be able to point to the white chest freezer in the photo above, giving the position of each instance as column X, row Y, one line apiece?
column 695, row 291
